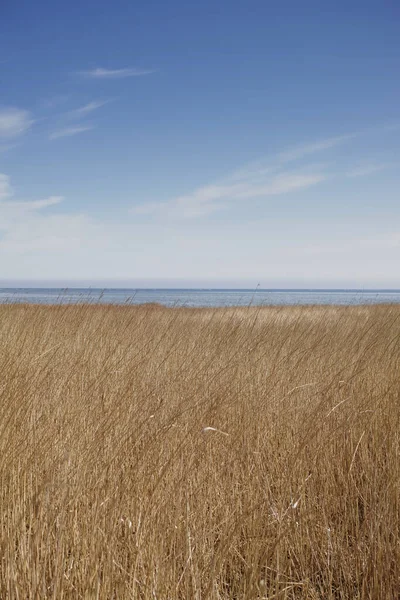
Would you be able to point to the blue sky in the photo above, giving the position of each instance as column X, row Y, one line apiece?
column 181, row 143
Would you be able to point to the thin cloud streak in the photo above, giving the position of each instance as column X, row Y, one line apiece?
column 70, row 131
column 300, row 152
column 27, row 227
column 297, row 153
column 7, row 193
column 212, row 198
column 365, row 170
column 14, row 122
column 261, row 179
column 85, row 110
column 101, row 73
column 38, row 204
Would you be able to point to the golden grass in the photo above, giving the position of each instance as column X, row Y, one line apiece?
column 113, row 487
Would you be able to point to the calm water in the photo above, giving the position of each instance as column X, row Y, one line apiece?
column 197, row 297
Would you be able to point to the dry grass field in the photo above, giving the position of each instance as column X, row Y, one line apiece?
column 162, row 454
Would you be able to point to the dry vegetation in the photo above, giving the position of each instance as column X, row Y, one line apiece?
column 113, row 487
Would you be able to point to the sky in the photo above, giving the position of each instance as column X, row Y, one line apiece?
column 183, row 144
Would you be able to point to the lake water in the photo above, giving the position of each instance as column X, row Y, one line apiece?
column 197, row 297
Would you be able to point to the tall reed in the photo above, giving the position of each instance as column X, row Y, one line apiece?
column 242, row 453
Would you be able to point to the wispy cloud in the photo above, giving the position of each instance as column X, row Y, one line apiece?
column 87, row 109
column 261, row 179
column 5, row 187
column 12, row 210
column 299, row 152
column 14, row 122
column 368, row 169
column 70, row 131
column 101, row 73
column 39, row 204
column 6, row 147
column 29, row 227
column 211, row 198
column 394, row 126
column 56, row 100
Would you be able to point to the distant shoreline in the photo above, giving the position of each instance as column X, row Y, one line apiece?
column 198, row 298
column 201, row 289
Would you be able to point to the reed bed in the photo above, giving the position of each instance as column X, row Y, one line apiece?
column 241, row 453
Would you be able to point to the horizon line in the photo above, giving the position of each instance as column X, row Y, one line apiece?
column 199, row 289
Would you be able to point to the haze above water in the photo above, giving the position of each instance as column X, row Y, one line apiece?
column 198, row 297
